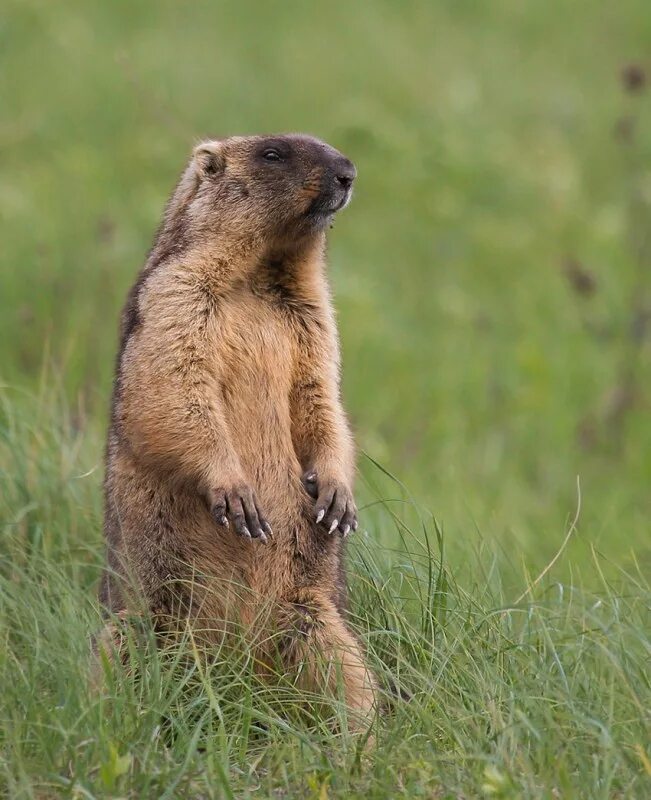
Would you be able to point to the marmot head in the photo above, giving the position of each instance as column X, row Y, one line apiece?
column 276, row 188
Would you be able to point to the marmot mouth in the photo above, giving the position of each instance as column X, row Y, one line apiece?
column 348, row 193
column 330, row 204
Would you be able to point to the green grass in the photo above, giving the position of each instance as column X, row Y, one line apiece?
column 510, row 696
column 485, row 138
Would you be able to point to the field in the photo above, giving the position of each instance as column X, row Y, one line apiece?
column 492, row 284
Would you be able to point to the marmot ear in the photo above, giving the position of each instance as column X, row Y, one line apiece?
column 209, row 158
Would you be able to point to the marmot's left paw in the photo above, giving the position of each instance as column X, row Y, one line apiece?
column 335, row 507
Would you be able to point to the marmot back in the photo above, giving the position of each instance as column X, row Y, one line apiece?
column 229, row 461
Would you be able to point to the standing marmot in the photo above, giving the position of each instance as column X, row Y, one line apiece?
column 226, row 419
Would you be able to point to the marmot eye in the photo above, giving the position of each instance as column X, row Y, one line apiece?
column 271, row 155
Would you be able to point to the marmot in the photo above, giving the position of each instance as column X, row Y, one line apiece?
column 230, row 462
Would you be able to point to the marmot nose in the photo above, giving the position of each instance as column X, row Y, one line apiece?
column 345, row 173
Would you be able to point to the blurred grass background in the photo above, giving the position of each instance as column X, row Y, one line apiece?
column 494, row 297
column 485, row 276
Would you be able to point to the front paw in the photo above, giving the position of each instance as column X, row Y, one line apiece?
column 239, row 507
column 334, row 508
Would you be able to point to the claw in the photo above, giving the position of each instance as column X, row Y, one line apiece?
column 320, row 515
column 335, row 522
column 345, row 530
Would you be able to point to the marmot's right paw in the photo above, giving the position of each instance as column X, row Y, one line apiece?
column 239, row 507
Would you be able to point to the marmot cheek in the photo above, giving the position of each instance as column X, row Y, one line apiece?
column 308, row 194
column 312, row 187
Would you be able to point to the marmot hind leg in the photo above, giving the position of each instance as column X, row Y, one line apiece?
column 324, row 657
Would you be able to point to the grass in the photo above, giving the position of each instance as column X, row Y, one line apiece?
column 542, row 696
column 491, row 282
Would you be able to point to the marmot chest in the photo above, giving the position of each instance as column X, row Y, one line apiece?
column 257, row 352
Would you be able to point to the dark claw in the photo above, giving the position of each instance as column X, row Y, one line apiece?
column 240, row 526
column 336, row 512
column 219, row 515
column 218, row 505
column 346, row 524
column 323, row 503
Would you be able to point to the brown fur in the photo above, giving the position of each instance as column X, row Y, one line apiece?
column 227, row 392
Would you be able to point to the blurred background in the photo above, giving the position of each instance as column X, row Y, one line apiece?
column 491, row 277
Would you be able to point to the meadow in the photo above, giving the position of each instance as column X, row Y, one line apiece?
column 492, row 284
